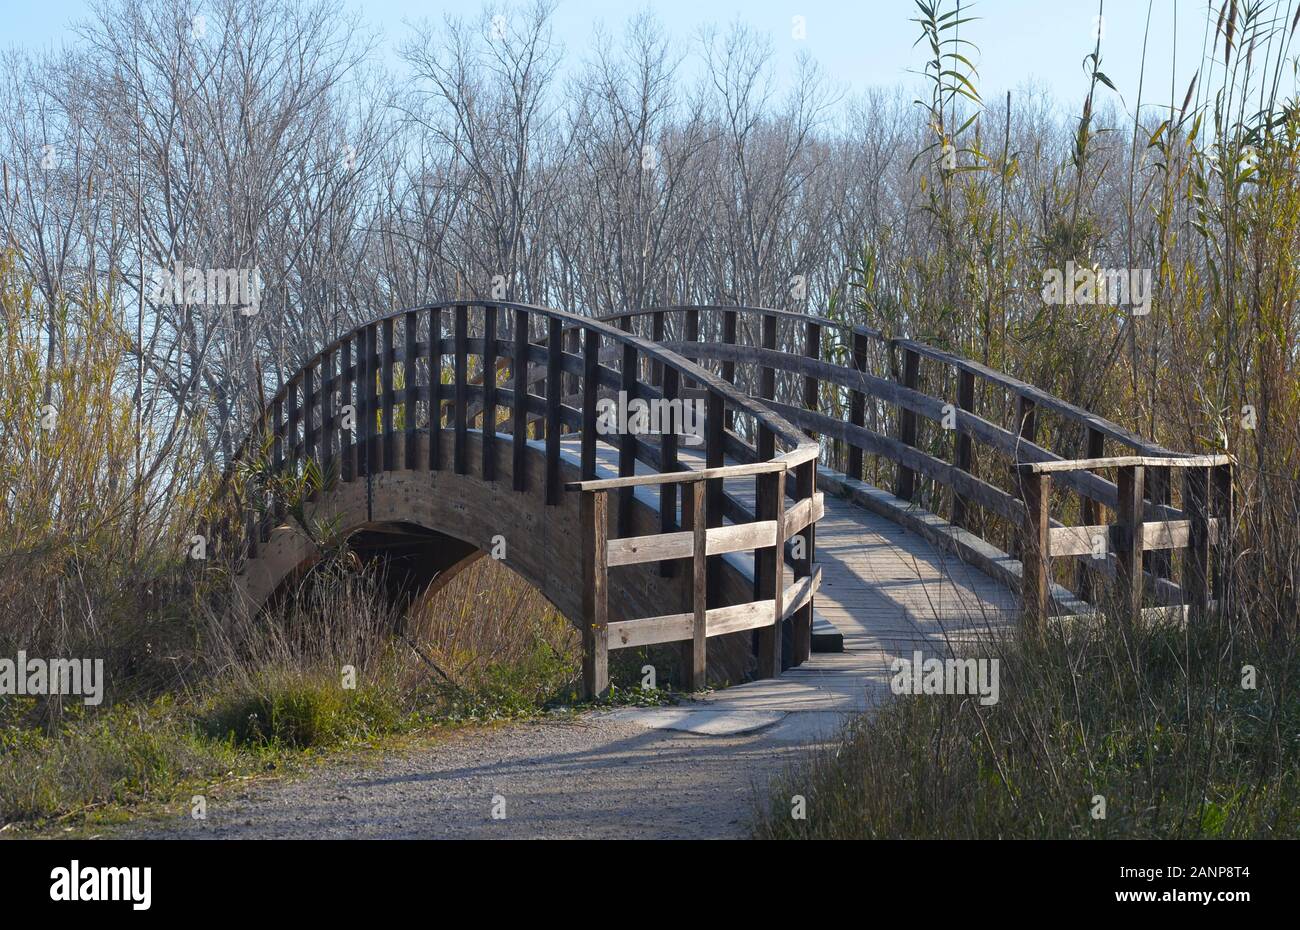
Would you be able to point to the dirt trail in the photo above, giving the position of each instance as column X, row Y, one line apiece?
column 597, row 775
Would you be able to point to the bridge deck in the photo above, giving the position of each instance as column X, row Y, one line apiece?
column 886, row 590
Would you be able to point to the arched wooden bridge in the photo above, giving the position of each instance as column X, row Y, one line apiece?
column 885, row 486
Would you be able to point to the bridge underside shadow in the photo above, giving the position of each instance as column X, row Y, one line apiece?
column 425, row 526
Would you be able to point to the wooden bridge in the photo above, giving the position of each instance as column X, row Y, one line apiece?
column 822, row 452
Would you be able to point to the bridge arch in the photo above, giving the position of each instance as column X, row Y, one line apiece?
column 404, row 414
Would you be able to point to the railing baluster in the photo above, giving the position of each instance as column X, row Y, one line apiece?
column 348, row 440
column 905, row 486
column 962, row 458
column 554, row 392
column 811, row 386
column 368, row 392
column 489, row 393
column 729, row 367
column 627, row 442
column 590, row 397
column 857, row 404
column 462, row 389
column 435, row 389
column 386, row 365
column 327, row 415
column 519, row 367
column 411, row 378
column 292, row 451
column 769, row 574
column 766, row 446
column 1027, row 429
column 309, row 451
column 668, row 463
column 277, row 446
column 692, row 334
column 802, row 621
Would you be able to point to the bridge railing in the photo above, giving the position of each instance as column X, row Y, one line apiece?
column 936, row 429
column 403, row 392
column 702, row 537
column 1118, row 548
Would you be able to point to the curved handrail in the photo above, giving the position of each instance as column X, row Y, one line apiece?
column 799, row 446
column 902, row 391
column 1015, row 386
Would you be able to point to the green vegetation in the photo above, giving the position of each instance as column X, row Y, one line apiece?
column 1156, row 722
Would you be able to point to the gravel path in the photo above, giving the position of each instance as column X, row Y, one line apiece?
column 598, row 775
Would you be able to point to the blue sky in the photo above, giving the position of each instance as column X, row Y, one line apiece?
column 860, row 44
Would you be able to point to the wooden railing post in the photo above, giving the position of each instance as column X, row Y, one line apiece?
column 905, row 486
column 1035, row 582
column 1091, row 516
column 769, row 577
column 811, row 386
column 962, row 449
column 1027, row 429
column 857, row 404
column 1196, row 560
column 1225, row 509
column 695, row 654
column 802, row 621
column 1129, row 557
column 594, row 518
